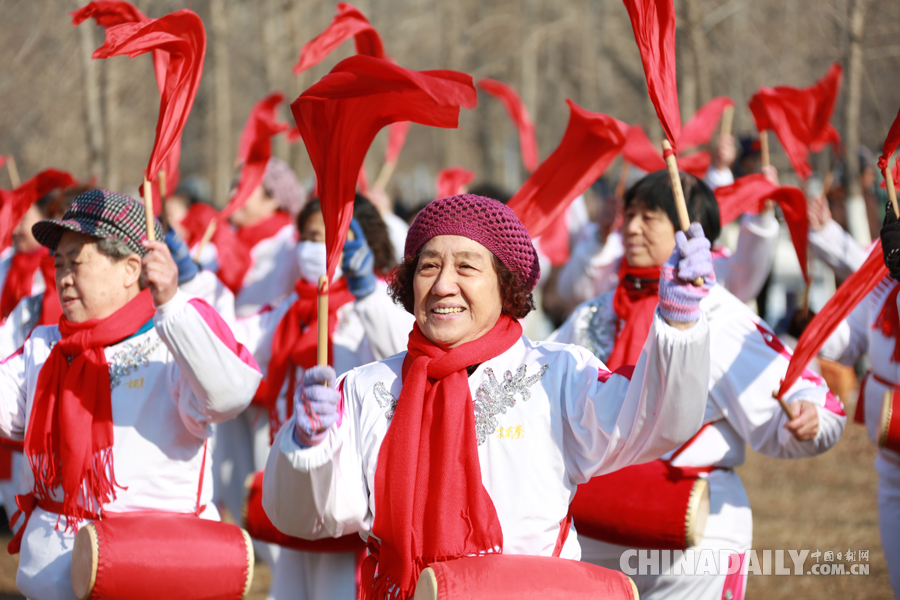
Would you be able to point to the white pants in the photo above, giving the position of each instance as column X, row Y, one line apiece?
column 729, row 527
column 889, row 515
column 241, row 449
column 313, row 576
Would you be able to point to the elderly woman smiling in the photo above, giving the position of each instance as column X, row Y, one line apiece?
column 474, row 440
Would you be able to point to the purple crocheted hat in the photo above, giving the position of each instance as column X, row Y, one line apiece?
column 488, row 222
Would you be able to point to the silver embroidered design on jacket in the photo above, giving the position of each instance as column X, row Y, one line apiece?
column 128, row 359
column 596, row 329
column 493, row 398
column 385, row 400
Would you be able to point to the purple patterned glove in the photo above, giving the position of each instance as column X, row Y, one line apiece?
column 679, row 298
column 315, row 406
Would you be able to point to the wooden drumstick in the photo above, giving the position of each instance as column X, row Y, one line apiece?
column 683, row 218
column 322, row 350
column 148, row 210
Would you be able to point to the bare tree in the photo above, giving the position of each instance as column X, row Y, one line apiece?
column 94, row 121
column 855, row 204
column 224, row 150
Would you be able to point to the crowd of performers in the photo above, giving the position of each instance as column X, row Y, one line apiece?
column 173, row 372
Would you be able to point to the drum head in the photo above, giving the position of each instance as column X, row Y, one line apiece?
column 85, row 558
column 698, row 513
column 427, row 587
column 251, row 559
column 884, row 424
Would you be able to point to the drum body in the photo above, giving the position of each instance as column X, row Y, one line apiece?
column 513, row 577
column 651, row 505
column 155, row 555
column 258, row 525
column 889, row 423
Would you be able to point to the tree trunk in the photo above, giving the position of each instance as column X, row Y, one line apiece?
column 113, row 74
column 271, row 18
column 856, row 211
column 698, row 89
column 92, row 102
column 221, row 76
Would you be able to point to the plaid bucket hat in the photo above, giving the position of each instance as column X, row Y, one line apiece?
column 102, row 214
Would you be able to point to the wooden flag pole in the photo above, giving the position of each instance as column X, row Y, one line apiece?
column 892, row 193
column 683, row 218
column 148, row 210
column 162, row 200
column 623, row 179
column 207, row 236
column 384, row 176
column 764, row 147
column 727, row 121
column 322, row 350
column 13, row 172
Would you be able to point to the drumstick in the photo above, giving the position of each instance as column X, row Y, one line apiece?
column 322, row 350
column 148, row 210
column 683, row 218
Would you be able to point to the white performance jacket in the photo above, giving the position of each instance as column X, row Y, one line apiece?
column 747, row 364
column 548, row 417
column 169, row 385
column 858, row 335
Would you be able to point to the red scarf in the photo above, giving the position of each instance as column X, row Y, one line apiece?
column 634, row 301
column 51, row 311
column 70, row 433
column 251, row 235
column 431, row 503
column 19, row 279
column 295, row 341
column 888, row 321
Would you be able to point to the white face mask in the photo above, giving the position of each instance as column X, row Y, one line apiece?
column 311, row 260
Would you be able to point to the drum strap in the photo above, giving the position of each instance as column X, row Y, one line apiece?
column 564, row 526
column 28, row 502
column 692, row 471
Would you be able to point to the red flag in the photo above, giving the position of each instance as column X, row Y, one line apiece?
column 641, row 152
column 349, row 22
column 362, row 180
column 232, row 257
column 2, row 160
column 396, row 139
column 800, row 116
column 450, row 182
column 838, row 307
column 699, row 130
column 748, row 194
column 254, row 150
column 590, row 143
column 653, row 22
column 340, row 115
column 15, row 203
column 518, row 114
column 182, row 36
column 108, row 13
column 887, row 150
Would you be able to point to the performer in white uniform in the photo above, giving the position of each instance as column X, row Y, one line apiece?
column 172, row 368
column 747, row 365
column 368, row 326
column 455, row 477
column 874, row 328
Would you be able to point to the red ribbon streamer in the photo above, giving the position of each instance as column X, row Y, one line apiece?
column 15, row 203
column 450, row 182
column 348, row 23
column 518, row 114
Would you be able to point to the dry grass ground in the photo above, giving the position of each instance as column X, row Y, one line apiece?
column 825, row 503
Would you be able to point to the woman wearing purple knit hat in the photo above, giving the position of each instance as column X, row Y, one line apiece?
column 474, row 440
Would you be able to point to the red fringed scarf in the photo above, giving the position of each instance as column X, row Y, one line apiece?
column 19, row 279
column 70, row 433
column 634, row 301
column 295, row 341
column 51, row 311
column 251, row 235
column 431, row 504
column 888, row 321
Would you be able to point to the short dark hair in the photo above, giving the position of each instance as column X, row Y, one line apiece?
column 655, row 192
column 516, row 299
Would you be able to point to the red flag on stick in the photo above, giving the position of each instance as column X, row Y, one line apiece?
column 748, row 194
column 653, row 22
column 340, row 115
column 838, row 307
column 182, row 37
column 800, row 116
column 518, row 114
column 641, row 152
column 699, row 130
column 590, row 143
column 255, row 150
column 450, row 182
column 396, row 140
column 15, row 203
column 348, row 23
column 887, row 150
